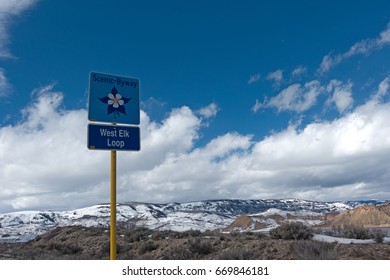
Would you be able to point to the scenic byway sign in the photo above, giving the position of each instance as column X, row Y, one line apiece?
column 113, row 99
column 113, row 137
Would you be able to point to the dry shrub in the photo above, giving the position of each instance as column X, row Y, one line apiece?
column 138, row 234
column 65, row 248
column 314, row 250
column 378, row 236
column 199, row 246
column 235, row 253
column 148, row 246
column 291, row 231
column 355, row 232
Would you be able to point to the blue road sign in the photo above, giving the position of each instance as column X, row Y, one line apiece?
column 113, row 99
column 113, row 137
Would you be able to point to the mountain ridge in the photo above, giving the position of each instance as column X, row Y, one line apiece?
column 205, row 215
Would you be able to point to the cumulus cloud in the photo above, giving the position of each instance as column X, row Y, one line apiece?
column 362, row 47
column 329, row 160
column 341, row 159
column 209, row 111
column 341, row 95
column 295, row 98
column 45, row 163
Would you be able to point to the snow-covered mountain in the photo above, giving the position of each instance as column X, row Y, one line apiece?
column 202, row 215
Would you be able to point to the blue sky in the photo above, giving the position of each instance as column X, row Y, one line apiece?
column 239, row 99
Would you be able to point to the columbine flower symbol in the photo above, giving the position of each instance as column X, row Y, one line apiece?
column 115, row 102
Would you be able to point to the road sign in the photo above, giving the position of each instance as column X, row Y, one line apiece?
column 113, row 99
column 113, row 137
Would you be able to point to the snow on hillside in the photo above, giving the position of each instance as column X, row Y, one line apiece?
column 306, row 217
column 273, row 217
column 340, row 240
column 201, row 215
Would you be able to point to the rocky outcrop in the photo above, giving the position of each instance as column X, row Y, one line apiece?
column 365, row 216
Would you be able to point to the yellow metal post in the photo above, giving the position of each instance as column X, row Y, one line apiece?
column 113, row 207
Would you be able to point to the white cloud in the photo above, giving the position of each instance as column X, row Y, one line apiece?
column 47, row 165
column 209, row 111
column 383, row 90
column 296, row 98
column 328, row 160
column 254, row 78
column 342, row 95
column 363, row 47
column 257, row 106
column 15, row 7
column 328, row 62
column 342, row 159
column 276, row 77
column 298, row 71
column 384, row 37
column 4, row 84
column 152, row 104
column 199, row 174
column 8, row 10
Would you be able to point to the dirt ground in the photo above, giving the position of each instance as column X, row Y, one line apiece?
column 93, row 243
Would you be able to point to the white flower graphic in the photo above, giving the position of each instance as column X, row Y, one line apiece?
column 115, row 101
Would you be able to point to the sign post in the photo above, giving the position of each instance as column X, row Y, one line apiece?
column 113, row 207
column 113, row 99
